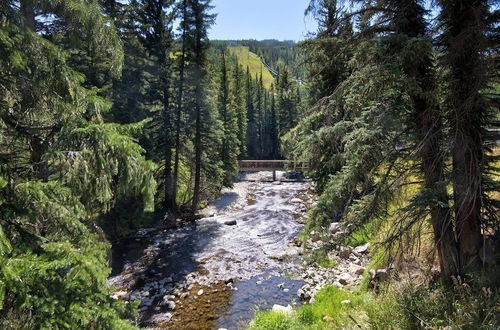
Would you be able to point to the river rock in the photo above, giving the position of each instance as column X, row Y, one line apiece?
column 345, row 252
column 362, row 248
column 359, row 270
column 135, row 295
column 171, row 305
column 296, row 201
column 163, row 317
column 353, row 259
column 345, row 279
column 282, row 309
column 230, row 222
column 334, row 227
column 304, row 293
column 168, row 297
column 184, row 295
column 200, row 292
column 120, row 295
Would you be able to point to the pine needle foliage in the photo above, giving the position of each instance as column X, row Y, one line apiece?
column 62, row 167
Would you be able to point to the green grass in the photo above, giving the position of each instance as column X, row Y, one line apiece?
column 254, row 63
column 327, row 263
column 435, row 306
column 328, row 312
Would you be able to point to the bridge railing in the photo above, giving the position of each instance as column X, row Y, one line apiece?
column 272, row 165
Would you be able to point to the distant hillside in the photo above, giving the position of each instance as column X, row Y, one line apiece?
column 254, row 63
column 273, row 53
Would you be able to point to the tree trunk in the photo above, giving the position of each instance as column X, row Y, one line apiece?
column 179, row 101
column 170, row 196
column 28, row 12
column 467, row 157
column 198, row 150
column 432, row 162
column 37, row 148
column 410, row 21
column 465, row 41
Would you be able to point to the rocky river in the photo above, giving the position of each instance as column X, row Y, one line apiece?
column 241, row 256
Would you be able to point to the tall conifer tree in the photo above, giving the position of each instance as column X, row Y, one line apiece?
column 201, row 21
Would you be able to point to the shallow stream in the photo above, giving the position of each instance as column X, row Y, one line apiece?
column 215, row 273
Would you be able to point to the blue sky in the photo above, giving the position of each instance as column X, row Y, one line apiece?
column 261, row 19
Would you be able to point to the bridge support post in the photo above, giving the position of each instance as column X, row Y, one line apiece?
column 274, row 175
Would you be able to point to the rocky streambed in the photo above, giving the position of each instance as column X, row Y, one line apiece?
column 241, row 256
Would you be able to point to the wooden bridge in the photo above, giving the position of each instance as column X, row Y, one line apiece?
column 273, row 165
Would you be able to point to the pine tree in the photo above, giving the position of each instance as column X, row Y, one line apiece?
column 466, row 25
column 62, row 166
column 409, row 23
column 327, row 54
column 273, row 126
column 286, row 105
column 251, row 135
column 259, row 114
column 238, row 105
column 156, row 34
column 201, row 20
column 183, row 58
column 228, row 116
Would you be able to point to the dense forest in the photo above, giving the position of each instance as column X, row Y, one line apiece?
column 119, row 115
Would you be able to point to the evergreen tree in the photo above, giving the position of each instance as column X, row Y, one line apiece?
column 411, row 32
column 259, row 115
column 201, row 21
column 183, row 58
column 237, row 102
column 228, row 116
column 466, row 26
column 251, row 136
column 273, row 126
column 155, row 18
column 350, row 133
column 286, row 102
column 62, row 166
column 327, row 54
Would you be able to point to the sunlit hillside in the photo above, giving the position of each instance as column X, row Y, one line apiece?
column 254, row 63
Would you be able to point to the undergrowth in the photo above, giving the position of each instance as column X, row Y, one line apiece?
column 434, row 306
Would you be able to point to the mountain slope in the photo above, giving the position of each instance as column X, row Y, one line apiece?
column 254, row 63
